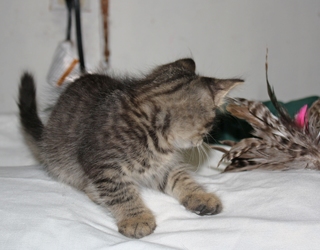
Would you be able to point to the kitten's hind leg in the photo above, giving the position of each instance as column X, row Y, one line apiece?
column 179, row 184
column 123, row 200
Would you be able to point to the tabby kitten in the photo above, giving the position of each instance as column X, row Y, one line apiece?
column 107, row 137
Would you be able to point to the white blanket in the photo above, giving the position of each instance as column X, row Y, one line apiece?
column 262, row 210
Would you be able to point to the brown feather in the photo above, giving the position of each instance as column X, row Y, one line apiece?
column 278, row 143
column 274, row 146
column 313, row 117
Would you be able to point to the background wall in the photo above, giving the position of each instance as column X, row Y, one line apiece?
column 29, row 34
column 227, row 38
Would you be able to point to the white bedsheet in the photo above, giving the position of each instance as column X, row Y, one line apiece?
column 262, row 210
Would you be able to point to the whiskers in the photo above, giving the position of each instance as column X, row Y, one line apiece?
column 197, row 156
column 210, row 138
column 202, row 152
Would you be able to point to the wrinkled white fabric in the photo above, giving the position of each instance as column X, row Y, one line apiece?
column 262, row 210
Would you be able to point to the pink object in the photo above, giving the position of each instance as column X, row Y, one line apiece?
column 300, row 118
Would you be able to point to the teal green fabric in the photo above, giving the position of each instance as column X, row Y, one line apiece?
column 293, row 106
column 228, row 127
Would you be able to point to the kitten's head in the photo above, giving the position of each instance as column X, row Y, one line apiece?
column 188, row 101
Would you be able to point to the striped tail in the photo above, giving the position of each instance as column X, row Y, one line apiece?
column 27, row 104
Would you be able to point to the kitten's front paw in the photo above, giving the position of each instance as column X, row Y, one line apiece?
column 202, row 203
column 137, row 227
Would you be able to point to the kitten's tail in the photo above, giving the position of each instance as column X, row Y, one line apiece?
column 27, row 104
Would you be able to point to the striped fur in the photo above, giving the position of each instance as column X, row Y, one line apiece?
column 107, row 137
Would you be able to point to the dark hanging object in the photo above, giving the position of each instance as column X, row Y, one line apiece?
column 79, row 35
column 64, row 64
column 69, row 19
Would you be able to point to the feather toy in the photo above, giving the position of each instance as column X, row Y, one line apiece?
column 278, row 142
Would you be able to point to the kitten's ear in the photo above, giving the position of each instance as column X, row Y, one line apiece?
column 187, row 63
column 220, row 87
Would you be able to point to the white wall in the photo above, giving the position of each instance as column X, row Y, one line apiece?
column 226, row 38
column 29, row 35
